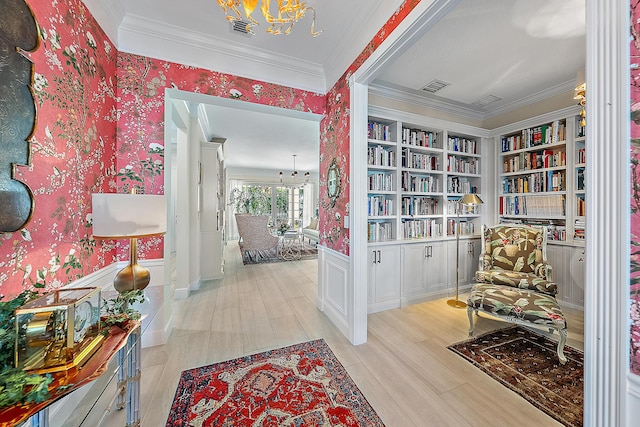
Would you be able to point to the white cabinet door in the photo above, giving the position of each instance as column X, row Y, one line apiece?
column 413, row 270
column 424, row 271
column 436, row 267
column 568, row 272
column 468, row 259
column 384, row 278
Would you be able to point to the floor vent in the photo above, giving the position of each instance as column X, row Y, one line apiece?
column 486, row 100
column 435, row 85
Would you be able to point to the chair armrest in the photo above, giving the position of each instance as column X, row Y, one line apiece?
column 544, row 271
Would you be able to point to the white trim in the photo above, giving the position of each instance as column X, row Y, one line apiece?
column 420, row 120
column 606, row 335
column 143, row 36
column 358, row 268
column 534, row 121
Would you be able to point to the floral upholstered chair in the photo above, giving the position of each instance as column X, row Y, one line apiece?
column 514, row 281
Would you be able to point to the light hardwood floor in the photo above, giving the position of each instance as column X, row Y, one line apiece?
column 405, row 369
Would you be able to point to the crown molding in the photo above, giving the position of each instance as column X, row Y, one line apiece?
column 109, row 15
column 142, row 36
column 531, row 99
column 398, row 93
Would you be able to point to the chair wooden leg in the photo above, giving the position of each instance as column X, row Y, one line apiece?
column 470, row 315
column 561, row 342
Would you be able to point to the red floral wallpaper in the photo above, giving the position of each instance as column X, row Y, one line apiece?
column 141, row 85
column 335, row 141
column 635, row 186
column 73, row 144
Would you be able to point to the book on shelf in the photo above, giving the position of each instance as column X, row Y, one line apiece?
column 419, row 138
column 549, row 133
column 379, row 131
column 421, row 228
column 532, row 205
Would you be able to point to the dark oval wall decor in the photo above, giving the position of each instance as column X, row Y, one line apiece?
column 18, row 32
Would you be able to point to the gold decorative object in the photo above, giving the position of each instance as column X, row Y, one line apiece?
column 58, row 331
column 465, row 200
column 286, row 15
column 18, row 33
column 129, row 216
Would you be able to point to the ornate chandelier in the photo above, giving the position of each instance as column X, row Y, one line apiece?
column 287, row 14
column 294, row 174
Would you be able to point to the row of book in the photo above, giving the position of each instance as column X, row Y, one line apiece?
column 535, row 183
column 419, row 138
column 582, row 156
column 462, row 145
column 455, row 208
column 380, row 156
column 419, row 206
column 381, row 182
column 556, row 232
column 550, row 133
column 581, row 205
column 460, row 185
column 578, row 229
column 536, row 160
column 580, row 179
column 464, row 228
column 421, row 228
column 420, row 183
column 379, row 231
column 413, row 160
column 540, row 206
column 463, row 165
column 380, row 206
column 379, row 131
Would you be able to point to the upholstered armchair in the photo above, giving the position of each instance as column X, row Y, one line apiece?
column 256, row 240
column 514, row 281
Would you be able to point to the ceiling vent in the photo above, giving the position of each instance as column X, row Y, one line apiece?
column 482, row 102
column 435, row 85
column 240, row 26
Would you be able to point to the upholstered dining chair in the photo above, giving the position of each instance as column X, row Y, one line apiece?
column 256, row 239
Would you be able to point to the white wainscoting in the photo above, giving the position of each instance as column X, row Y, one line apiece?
column 334, row 295
column 156, row 310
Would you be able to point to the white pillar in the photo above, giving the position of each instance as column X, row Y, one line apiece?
column 607, row 241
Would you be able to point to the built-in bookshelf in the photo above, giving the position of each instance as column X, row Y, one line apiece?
column 541, row 178
column 416, row 174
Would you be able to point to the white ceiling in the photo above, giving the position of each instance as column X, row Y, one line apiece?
column 517, row 50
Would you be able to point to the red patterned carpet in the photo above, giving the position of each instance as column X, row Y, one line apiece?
column 527, row 363
column 300, row 385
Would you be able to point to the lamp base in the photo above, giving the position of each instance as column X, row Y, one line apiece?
column 133, row 276
column 456, row 303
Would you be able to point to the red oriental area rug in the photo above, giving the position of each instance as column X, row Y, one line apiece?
column 300, row 385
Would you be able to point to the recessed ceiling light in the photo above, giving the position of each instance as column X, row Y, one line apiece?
column 435, row 85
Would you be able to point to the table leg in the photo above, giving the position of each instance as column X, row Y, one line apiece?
column 122, row 379
column 41, row 419
column 133, row 379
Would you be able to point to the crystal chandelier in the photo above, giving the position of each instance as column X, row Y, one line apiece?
column 288, row 13
column 294, row 174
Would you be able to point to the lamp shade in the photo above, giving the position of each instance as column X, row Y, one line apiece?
column 471, row 200
column 124, row 216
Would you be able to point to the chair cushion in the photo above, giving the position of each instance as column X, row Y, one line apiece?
column 517, row 279
column 521, row 304
column 514, row 248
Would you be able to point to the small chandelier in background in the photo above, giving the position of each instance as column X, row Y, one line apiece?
column 287, row 14
column 294, row 174
column 580, row 96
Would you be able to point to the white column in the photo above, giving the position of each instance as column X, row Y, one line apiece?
column 607, row 241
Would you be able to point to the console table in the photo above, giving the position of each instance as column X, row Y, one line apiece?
column 122, row 343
